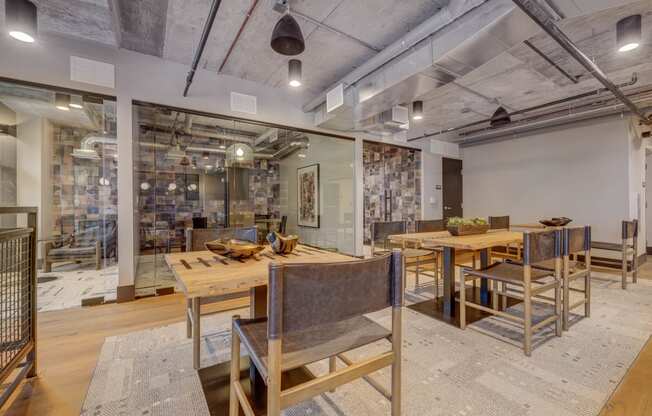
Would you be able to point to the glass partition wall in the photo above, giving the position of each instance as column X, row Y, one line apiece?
column 58, row 152
column 208, row 171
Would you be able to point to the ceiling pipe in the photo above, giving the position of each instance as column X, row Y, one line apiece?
column 574, row 79
column 237, row 36
column 633, row 81
column 541, row 17
column 202, row 44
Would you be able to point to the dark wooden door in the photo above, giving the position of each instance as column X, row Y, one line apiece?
column 451, row 187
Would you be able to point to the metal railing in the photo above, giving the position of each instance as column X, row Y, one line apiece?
column 17, row 302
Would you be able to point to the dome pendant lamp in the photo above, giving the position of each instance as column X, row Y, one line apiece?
column 287, row 38
column 21, row 18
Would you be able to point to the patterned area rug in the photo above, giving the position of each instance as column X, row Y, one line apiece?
column 446, row 371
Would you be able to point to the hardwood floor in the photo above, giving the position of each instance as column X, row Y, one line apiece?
column 70, row 342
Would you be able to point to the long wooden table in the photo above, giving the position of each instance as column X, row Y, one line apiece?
column 481, row 243
column 202, row 275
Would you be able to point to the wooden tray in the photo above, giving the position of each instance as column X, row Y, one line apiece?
column 234, row 248
column 467, row 229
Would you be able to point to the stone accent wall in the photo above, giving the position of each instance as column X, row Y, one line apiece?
column 392, row 169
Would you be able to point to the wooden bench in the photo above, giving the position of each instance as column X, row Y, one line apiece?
column 629, row 246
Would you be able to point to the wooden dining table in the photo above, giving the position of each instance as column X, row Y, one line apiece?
column 449, row 244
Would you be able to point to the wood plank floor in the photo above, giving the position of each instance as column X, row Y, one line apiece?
column 70, row 342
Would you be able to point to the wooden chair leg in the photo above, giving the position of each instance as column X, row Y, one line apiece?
column 527, row 315
column 188, row 321
column 274, row 383
column 566, row 294
column 397, row 342
column 462, row 302
column 494, row 295
column 98, row 255
column 560, row 273
column 332, row 367
column 436, row 275
column 417, row 274
column 234, row 404
column 624, row 265
column 504, row 295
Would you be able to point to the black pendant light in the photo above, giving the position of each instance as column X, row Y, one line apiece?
column 417, row 110
column 294, row 73
column 21, row 17
column 287, row 38
column 628, row 33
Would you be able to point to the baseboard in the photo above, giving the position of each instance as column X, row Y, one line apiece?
column 126, row 293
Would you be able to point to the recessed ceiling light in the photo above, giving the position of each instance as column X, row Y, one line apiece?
column 21, row 18
column 301, row 155
column 628, row 33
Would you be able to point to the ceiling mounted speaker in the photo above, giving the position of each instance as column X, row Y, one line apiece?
column 628, row 33
column 21, row 19
column 287, row 38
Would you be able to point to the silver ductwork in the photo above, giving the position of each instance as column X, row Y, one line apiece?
column 87, row 147
column 463, row 37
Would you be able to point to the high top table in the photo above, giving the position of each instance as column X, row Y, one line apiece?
column 444, row 308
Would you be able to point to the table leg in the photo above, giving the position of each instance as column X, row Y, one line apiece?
column 257, row 309
column 196, row 332
column 484, row 284
column 449, row 281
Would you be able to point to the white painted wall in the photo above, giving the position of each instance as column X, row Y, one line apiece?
column 648, row 195
column 581, row 171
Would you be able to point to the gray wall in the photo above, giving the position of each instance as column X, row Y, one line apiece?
column 581, row 171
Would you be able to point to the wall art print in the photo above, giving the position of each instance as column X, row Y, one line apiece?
column 308, row 200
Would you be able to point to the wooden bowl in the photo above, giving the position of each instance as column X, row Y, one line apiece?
column 234, row 248
column 280, row 244
column 556, row 222
column 467, row 229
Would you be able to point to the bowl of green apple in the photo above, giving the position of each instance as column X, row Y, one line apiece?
column 467, row 226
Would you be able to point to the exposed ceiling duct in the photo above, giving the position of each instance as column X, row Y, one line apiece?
column 87, row 146
column 457, row 40
column 542, row 18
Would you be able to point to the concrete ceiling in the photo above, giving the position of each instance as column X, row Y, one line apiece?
column 515, row 78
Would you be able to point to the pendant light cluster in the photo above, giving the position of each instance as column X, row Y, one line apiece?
column 287, row 40
column 628, row 33
column 21, row 19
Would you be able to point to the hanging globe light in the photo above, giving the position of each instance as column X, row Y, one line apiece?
column 239, row 155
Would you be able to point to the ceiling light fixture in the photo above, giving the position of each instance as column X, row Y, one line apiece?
column 628, row 33
column 287, row 38
column 76, row 102
column 62, row 101
column 417, row 110
column 21, row 20
column 294, row 73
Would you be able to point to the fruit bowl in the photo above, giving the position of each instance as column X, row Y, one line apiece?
column 556, row 222
column 234, row 248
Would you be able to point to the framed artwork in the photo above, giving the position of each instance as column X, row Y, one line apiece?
column 308, row 196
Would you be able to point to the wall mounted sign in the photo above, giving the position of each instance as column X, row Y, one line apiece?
column 308, row 196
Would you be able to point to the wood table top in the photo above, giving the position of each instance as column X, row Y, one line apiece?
column 203, row 274
column 417, row 237
column 476, row 241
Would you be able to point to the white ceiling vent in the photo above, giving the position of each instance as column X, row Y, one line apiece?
column 335, row 98
column 243, row 103
column 92, row 72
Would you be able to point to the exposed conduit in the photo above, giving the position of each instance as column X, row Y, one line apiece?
column 202, row 44
column 237, row 36
column 633, row 81
column 541, row 17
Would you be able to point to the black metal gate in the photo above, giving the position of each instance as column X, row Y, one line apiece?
column 17, row 302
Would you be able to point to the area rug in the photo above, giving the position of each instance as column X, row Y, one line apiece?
column 447, row 371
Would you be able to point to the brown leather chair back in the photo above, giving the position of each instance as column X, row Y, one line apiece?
column 541, row 245
column 197, row 237
column 499, row 223
column 309, row 294
column 630, row 229
column 576, row 239
column 381, row 230
column 426, row 226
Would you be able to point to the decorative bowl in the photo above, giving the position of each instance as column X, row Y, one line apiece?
column 280, row 244
column 556, row 222
column 234, row 248
column 467, row 229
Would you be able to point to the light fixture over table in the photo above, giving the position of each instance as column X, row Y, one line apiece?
column 294, row 73
column 628, row 33
column 21, row 19
column 287, row 38
column 417, row 110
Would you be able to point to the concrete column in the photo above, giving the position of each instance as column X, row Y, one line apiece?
column 358, row 203
column 126, row 233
